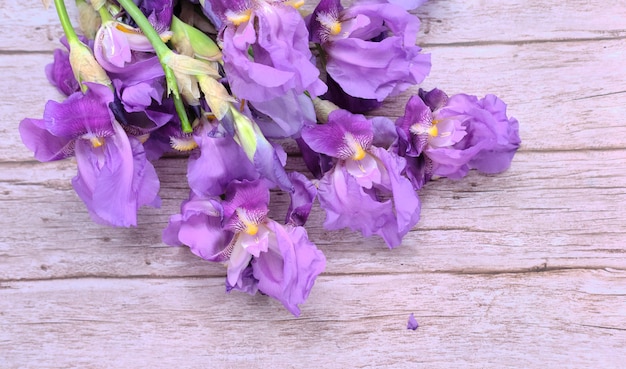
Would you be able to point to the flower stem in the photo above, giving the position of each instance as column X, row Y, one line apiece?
column 104, row 14
column 161, row 51
column 70, row 34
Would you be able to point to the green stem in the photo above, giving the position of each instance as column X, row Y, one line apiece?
column 70, row 34
column 161, row 51
column 105, row 15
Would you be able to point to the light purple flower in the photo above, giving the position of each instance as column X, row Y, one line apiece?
column 461, row 133
column 280, row 261
column 370, row 47
column 489, row 127
column 365, row 190
column 266, row 50
column 114, row 178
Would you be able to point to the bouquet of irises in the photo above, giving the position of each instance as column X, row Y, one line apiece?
column 233, row 82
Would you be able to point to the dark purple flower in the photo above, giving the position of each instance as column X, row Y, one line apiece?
column 60, row 74
column 158, row 12
column 266, row 50
column 370, row 47
column 114, row 178
column 365, row 191
column 316, row 163
column 412, row 323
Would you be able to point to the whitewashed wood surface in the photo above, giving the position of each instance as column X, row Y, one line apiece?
column 524, row 269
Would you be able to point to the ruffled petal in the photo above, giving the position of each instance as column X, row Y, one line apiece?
column 288, row 270
column 282, row 59
column 348, row 205
column 113, row 181
column 405, row 200
column 374, row 55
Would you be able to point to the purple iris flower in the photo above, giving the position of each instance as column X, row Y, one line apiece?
column 280, row 261
column 266, row 50
column 137, row 76
column 455, row 134
column 114, row 178
column 365, row 190
column 369, row 47
column 129, row 58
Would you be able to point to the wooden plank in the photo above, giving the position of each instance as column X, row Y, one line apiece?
column 29, row 27
column 512, row 21
column 549, row 211
column 567, row 319
column 557, row 109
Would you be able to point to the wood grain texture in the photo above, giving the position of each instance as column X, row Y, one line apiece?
column 522, row 269
column 567, row 319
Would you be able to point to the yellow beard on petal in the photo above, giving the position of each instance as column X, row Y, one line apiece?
column 238, row 18
column 96, row 142
column 183, row 144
